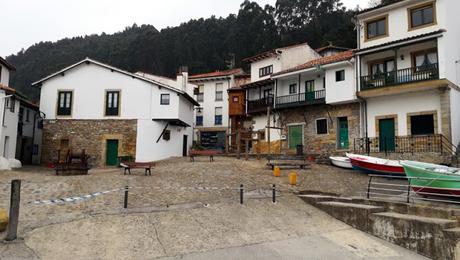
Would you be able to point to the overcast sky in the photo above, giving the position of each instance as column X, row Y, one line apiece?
column 25, row 22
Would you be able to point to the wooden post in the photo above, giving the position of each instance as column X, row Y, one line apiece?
column 268, row 131
column 227, row 137
column 246, row 152
column 238, row 144
column 259, row 140
column 12, row 229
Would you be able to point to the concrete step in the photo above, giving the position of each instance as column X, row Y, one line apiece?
column 355, row 215
column 313, row 199
column 424, row 235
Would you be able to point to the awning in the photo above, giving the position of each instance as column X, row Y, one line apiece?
column 172, row 121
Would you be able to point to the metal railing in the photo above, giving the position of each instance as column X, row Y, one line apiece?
column 302, row 98
column 260, row 105
column 410, row 189
column 404, row 144
column 402, row 76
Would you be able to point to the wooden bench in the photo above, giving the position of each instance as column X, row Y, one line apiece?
column 127, row 166
column 287, row 161
column 195, row 153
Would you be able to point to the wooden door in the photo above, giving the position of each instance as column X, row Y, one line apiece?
column 343, row 133
column 387, row 134
column 112, row 153
column 295, row 136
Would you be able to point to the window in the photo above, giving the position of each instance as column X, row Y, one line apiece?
column 425, row 59
column 376, row 28
column 340, row 75
column 422, row 16
column 64, row 103
column 199, row 120
column 321, row 126
column 292, row 88
column 267, row 93
column 164, row 99
column 112, row 103
column 218, row 116
column 422, row 125
column 265, row 71
column 310, row 86
column 219, row 88
column 27, row 115
column 382, row 67
column 200, row 95
column 235, row 99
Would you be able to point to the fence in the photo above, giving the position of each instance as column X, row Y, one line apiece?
column 409, row 190
column 404, row 144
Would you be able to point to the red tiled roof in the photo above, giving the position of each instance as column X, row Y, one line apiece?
column 341, row 56
column 217, row 74
column 269, row 53
column 6, row 88
column 333, row 47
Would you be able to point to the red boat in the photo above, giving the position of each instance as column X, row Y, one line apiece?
column 374, row 165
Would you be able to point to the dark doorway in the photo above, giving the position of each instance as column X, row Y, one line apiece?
column 112, row 153
column 185, row 146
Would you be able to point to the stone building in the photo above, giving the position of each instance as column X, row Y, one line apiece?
column 111, row 113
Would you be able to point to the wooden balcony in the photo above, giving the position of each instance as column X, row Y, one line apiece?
column 399, row 77
column 301, row 99
column 259, row 105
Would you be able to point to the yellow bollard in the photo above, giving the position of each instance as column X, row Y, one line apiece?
column 293, row 178
column 277, row 171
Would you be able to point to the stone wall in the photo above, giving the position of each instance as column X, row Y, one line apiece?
column 90, row 135
column 326, row 143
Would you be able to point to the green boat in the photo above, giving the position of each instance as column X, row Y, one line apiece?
column 427, row 178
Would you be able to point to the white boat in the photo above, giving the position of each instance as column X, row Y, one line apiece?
column 342, row 162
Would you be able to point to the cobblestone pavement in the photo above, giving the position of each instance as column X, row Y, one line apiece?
column 169, row 197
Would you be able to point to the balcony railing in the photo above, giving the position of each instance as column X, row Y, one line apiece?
column 259, row 105
column 313, row 97
column 403, row 76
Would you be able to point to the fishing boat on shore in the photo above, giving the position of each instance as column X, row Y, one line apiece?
column 342, row 162
column 427, row 178
column 374, row 165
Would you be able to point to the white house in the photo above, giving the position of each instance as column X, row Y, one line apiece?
column 9, row 109
column 112, row 113
column 408, row 71
column 212, row 117
column 29, row 137
column 260, row 91
column 317, row 105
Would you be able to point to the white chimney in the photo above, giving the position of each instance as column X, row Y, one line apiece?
column 182, row 78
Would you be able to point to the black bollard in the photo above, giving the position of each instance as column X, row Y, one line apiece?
column 125, row 205
column 274, row 193
column 241, row 194
column 12, row 228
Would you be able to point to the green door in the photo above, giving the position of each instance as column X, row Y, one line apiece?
column 343, row 133
column 295, row 136
column 310, row 90
column 112, row 153
column 387, row 135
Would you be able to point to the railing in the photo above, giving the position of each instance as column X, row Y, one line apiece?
column 413, row 189
column 404, row 144
column 259, row 105
column 312, row 97
column 403, row 76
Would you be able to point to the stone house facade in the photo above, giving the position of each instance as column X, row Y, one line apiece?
column 111, row 113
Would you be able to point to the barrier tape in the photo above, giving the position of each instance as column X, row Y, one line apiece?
column 75, row 199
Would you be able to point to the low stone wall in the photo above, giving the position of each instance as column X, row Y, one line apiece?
column 90, row 135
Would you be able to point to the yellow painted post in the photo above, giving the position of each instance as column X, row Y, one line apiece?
column 3, row 220
column 277, row 171
column 293, row 178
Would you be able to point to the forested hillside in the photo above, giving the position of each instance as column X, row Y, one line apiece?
column 202, row 45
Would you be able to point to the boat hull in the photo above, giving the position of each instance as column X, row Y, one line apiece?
column 378, row 169
column 341, row 162
column 426, row 181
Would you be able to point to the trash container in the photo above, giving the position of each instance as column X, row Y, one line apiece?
column 299, row 149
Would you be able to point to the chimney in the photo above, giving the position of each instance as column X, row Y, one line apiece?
column 182, row 78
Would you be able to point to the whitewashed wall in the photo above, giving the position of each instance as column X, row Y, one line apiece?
column 138, row 100
column 260, row 123
column 398, row 22
column 343, row 91
column 209, row 103
column 4, row 76
column 9, row 128
column 283, row 83
column 401, row 105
